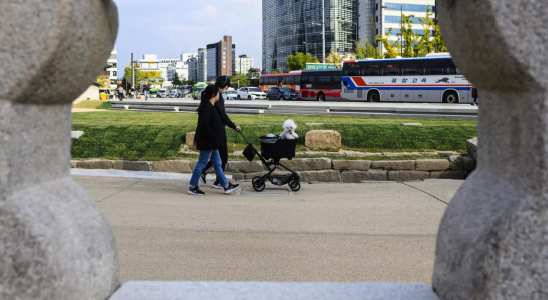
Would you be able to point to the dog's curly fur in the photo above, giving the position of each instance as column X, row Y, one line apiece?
column 289, row 131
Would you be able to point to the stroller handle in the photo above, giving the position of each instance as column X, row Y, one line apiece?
column 245, row 138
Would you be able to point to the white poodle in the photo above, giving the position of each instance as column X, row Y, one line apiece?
column 289, row 131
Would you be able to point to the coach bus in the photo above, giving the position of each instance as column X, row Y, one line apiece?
column 321, row 85
column 433, row 78
column 291, row 80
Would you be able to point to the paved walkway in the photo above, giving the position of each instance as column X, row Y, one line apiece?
column 326, row 232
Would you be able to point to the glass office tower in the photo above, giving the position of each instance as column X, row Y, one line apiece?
column 291, row 26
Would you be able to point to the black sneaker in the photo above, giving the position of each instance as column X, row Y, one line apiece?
column 217, row 185
column 231, row 188
column 195, row 191
column 203, row 178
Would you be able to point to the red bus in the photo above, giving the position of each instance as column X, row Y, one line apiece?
column 321, row 85
column 290, row 80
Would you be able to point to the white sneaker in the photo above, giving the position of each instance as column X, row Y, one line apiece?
column 231, row 188
column 217, row 185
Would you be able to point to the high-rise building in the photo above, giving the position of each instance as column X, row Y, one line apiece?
column 190, row 62
column 243, row 64
column 291, row 26
column 112, row 70
column 377, row 17
column 220, row 58
column 202, row 65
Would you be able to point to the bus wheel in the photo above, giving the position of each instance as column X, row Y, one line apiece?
column 374, row 96
column 321, row 97
column 450, row 97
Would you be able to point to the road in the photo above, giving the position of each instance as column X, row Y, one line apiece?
column 327, row 232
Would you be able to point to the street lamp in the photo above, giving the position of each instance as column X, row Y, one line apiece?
column 401, row 21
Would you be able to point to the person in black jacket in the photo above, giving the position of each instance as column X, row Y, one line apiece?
column 210, row 136
column 223, row 82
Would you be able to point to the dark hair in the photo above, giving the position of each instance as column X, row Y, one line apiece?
column 209, row 92
column 222, row 81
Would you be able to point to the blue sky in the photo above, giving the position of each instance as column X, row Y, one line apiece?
column 169, row 27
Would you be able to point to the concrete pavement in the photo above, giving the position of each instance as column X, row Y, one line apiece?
column 326, row 232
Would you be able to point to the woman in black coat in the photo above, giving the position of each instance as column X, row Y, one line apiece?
column 209, row 138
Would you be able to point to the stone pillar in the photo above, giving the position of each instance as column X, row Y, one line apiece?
column 55, row 243
column 493, row 239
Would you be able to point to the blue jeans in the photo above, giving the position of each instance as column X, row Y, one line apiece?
column 202, row 162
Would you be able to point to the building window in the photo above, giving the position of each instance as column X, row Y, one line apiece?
column 377, row 6
column 377, row 19
column 114, row 73
column 410, row 7
column 112, row 56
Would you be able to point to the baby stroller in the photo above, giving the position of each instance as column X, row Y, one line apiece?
column 274, row 149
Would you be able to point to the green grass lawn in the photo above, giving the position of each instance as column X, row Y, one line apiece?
column 93, row 104
column 157, row 136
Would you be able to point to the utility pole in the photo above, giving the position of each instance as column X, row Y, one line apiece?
column 401, row 45
column 323, row 22
column 132, row 72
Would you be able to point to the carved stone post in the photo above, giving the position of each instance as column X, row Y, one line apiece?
column 54, row 241
column 493, row 239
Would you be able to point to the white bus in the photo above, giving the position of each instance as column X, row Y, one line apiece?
column 433, row 78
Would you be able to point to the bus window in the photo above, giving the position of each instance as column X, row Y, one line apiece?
column 450, row 68
column 263, row 81
column 371, row 69
column 304, row 79
column 390, row 69
column 337, row 79
column 324, row 79
column 411, row 68
column 433, row 67
column 273, row 80
column 297, row 79
column 289, row 79
column 312, row 79
column 351, row 69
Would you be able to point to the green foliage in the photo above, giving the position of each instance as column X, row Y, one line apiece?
column 390, row 47
column 189, row 82
column 276, row 72
column 334, row 58
column 101, row 81
column 366, row 51
column 298, row 61
column 176, row 80
column 426, row 43
column 415, row 45
column 439, row 43
column 238, row 80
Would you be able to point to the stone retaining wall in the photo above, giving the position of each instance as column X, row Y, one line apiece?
column 315, row 169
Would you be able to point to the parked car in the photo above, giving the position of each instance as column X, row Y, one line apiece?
column 281, row 93
column 231, row 95
column 173, row 94
column 251, row 93
column 162, row 94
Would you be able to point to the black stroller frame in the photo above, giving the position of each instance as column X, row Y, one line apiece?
column 270, row 156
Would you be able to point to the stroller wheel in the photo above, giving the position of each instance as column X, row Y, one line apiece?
column 295, row 186
column 258, row 184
